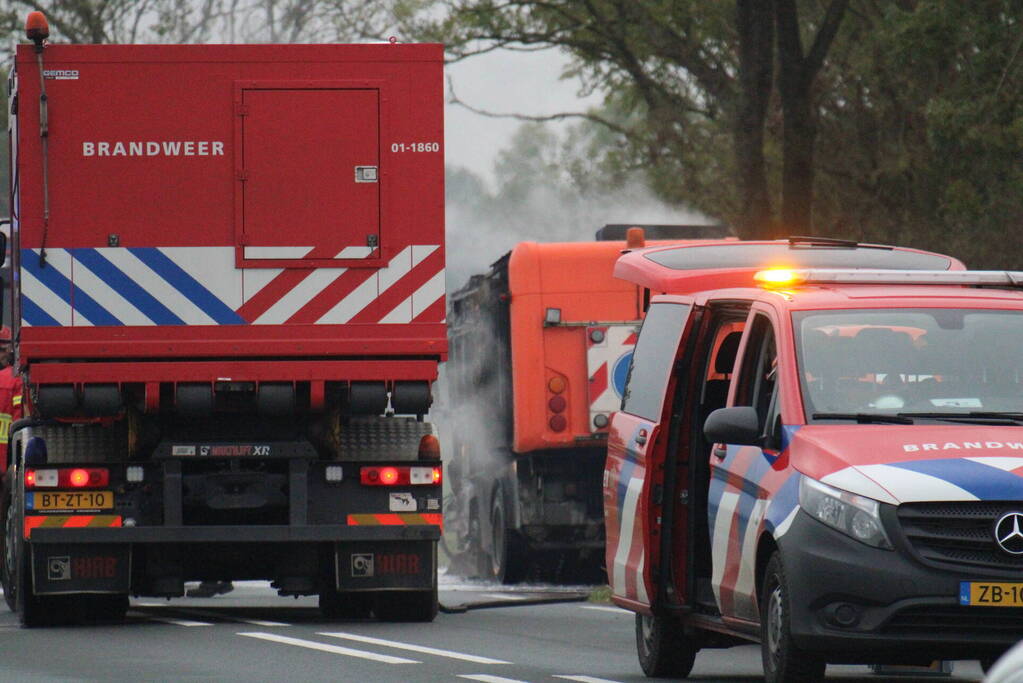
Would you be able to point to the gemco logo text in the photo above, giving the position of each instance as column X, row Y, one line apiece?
column 154, row 148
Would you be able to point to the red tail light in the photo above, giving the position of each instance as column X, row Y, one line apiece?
column 68, row 478
column 399, row 476
column 388, row 476
column 82, row 477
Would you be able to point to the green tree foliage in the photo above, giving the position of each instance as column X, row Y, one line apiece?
column 921, row 129
column 913, row 113
column 693, row 80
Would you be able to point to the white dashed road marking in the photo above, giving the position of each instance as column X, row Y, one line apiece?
column 333, row 649
column 586, row 679
column 416, row 648
column 485, row 678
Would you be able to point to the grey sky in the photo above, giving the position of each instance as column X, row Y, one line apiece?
column 505, row 82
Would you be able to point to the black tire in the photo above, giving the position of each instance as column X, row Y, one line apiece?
column 419, row 606
column 508, row 557
column 7, row 574
column 664, row 649
column 31, row 609
column 784, row 661
column 335, row 605
column 478, row 557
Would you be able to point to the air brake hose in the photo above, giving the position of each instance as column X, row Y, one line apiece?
column 461, row 609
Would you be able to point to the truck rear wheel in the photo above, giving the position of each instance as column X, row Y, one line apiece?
column 30, row 608
column 9, row 567
column 407, row 605
column 784, row 661
column 508, row 557
column 664, row 649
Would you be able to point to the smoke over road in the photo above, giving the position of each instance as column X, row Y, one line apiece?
column 482, row 229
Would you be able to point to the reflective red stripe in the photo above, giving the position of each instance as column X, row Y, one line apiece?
column 69, row 521
column 396, row 519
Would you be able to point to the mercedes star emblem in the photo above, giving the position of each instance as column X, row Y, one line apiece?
column 1009, row 534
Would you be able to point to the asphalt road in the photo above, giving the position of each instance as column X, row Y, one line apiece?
column 253, row 635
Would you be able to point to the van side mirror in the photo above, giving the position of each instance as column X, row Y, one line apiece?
column 739, row 425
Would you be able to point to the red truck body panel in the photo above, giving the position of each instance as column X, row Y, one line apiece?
column 231, row 202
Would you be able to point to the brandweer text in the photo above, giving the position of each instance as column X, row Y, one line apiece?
column 151, row 148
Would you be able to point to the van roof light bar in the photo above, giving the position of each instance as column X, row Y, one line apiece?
column 775, row 277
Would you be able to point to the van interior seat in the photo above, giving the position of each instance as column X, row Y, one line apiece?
column 715, row 391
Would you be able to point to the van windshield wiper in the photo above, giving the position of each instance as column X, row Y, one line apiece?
column 975, row 417
column 866, row 418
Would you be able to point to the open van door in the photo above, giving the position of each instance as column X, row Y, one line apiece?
column 637, row 444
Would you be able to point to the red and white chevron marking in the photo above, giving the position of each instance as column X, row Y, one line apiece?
column 410, row 288
column 601, row 357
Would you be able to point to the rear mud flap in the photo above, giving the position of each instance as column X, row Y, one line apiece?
column 72, row 568
column 401, row 565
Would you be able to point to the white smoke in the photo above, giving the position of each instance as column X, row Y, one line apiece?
column 482, row 227
column 480, row 233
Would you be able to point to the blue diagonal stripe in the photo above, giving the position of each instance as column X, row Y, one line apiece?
column 126, row 287
column 783, row 501
column 36, row 316
column 983, row 481
column 187, row 285
column 61, row 286
column 628, row 467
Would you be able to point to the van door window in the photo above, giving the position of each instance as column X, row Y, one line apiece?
column 758, row 374
column 651, row 363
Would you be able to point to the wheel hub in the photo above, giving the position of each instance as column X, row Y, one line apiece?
column 774, row 621
column 497, row 552
column 647, row 631
column 9, row 531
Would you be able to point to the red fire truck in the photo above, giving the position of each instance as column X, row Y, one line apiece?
column 539, row 349
column 228, row 309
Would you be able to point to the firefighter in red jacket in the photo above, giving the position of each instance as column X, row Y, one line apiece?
column 10, row 394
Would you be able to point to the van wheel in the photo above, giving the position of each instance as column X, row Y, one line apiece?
column 663, row 647
column 784, row 662
column 508, row 558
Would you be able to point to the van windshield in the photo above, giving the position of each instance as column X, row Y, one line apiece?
column 910, row 361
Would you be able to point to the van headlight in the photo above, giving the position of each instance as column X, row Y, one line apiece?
column 855, row 516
